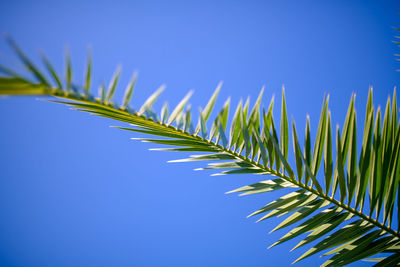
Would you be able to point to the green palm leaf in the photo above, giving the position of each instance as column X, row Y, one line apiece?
column 328, row 204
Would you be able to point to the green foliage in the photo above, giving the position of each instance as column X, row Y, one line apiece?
column 328, row 204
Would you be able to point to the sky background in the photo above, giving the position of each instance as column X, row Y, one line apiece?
column 75, row 192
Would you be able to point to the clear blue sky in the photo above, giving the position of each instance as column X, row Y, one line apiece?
column 74, row 192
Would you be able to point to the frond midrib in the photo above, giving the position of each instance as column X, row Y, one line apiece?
column 72, row 96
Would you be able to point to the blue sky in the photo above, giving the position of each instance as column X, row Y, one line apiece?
column 75, row 192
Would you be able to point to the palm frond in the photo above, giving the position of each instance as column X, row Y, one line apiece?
column 329, row 204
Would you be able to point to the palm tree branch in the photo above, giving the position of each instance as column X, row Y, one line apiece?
column 141, row 121
column 252, row 148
